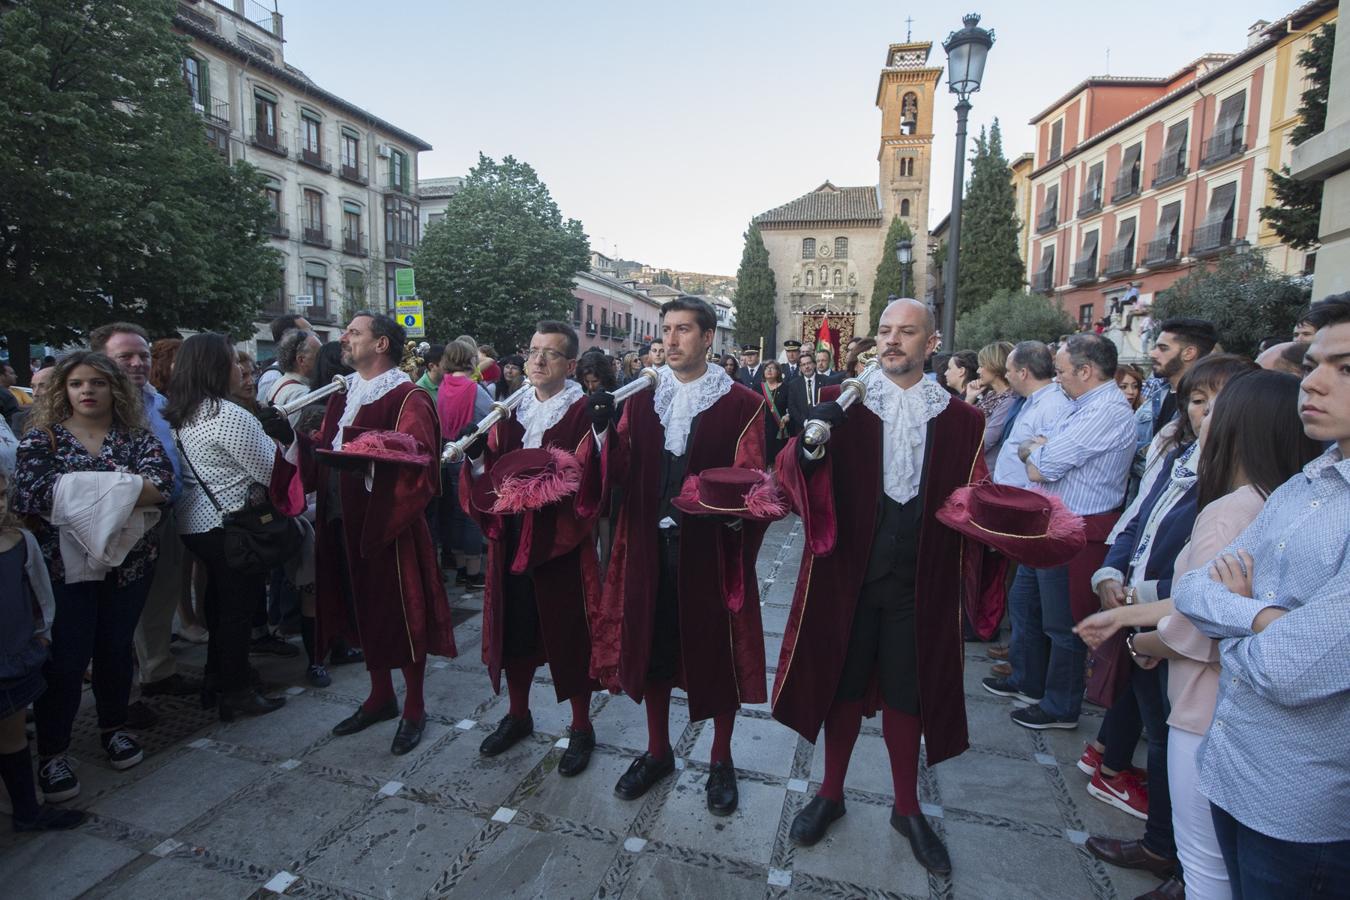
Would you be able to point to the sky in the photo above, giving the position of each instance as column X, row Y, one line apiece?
column 665, row 127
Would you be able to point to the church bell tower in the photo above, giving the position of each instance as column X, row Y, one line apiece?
column 905, row 93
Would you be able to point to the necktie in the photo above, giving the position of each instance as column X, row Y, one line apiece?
column 811, row 389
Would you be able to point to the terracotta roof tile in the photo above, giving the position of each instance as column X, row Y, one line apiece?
column 827, row 203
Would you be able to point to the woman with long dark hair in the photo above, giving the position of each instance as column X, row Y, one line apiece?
column 90, row 422
column 962, row 369
column 1251, row 442
column 227, row 463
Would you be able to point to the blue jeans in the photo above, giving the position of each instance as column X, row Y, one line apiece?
column 1261, row 867
column 1047, row 658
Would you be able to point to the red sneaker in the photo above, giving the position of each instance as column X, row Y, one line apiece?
column 1124, row 791
column 1090, row 760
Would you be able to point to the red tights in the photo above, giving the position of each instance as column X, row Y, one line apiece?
column 901, row 732
column 382, row 690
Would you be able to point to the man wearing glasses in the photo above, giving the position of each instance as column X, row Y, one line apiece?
column 541, row 578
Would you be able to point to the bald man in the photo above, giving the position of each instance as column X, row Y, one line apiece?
column 1286, row 357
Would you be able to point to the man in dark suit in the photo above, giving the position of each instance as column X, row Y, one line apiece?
column 793, row 350
column 751, row 373
column 803, row 393
column 825, row 368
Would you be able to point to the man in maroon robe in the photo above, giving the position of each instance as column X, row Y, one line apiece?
column 373, row 543
column 876, row 616
column 665, row 616
column 542, row 581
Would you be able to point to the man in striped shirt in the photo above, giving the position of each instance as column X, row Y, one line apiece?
column 1084, row 459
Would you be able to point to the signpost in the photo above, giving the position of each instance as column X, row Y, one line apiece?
column 404, row 284
column 304, row 299
column 411, row 316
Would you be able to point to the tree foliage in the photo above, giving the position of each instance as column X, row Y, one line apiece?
column 1013, row 316
column 990, row 259
column 1245, row 299
column 112, row 204
column 1298, row 204
column 502, row 259
column 889, row 273
column 755, row 290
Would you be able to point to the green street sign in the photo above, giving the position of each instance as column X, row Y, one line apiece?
column 404, row 286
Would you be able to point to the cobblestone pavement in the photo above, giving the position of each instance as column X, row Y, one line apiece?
column 277, row 804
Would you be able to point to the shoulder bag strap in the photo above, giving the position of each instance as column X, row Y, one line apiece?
column 187, row 459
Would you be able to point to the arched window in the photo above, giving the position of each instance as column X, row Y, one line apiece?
column 904, row 208
column 841, row 248
column 810, row 277
column 838, row 277
column 808, row 248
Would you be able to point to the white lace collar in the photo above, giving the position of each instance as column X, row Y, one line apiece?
column 361, row 391
column 678, row 403
column 538, row 416
column 905, row 414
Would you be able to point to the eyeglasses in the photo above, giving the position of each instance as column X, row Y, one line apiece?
column 548, row 354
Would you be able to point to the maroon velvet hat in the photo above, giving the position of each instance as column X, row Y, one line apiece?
column 526, row 480
column 732, row 491
column 360, row 445
column 1028, row 527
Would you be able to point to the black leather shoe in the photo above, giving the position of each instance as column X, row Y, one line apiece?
column 248, row 702
column 642, row 774
column 814, row 820
column 578, row 753
column 722, row 793
column 927, row 846
column 510, row 731
column 408, row 736
column 361, row 720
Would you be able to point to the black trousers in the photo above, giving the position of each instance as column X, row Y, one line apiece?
column 231, row 598
column 883, row 641
column 663, row 664
column 520, row 636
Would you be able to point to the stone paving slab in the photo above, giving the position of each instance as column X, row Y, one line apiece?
column 277, row 805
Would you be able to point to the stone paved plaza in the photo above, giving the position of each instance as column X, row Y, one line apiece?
column 278, row 805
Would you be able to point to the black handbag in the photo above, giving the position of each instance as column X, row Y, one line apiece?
column 257, row 537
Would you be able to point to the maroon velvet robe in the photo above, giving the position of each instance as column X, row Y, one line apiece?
column 557, row 548
column 721, row 653
column 838, row 506
column 402, row 613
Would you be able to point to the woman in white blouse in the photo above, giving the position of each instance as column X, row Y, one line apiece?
column 226, row 456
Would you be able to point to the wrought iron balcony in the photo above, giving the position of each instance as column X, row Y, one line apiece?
column 1090, row 202
column 1047, row 220
column 1169, row 169
column 1043, row 282
column 277, row 226
column 314, row 233
column 1223, row 147
column 1162, row 251
column 1126, row 185
column 272, row 142
column 354, row 171
column 1084, row 270
column 591, row 328
column 1212, row 239
column 354, row 244
column 314, row 157
column 1120, row 262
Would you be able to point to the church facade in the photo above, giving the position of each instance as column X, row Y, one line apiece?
column 824, row 246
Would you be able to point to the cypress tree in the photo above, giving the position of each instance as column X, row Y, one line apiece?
column 889, row 276
column 755, row 292
column 990, row 259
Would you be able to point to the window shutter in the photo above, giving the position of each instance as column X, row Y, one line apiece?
column 315, row 270
column 1230, row 113
column 1176, row 136
column 1131, row 157
column 1052, row 198
column 1047, row 260
column 204, row 70
column 349, row 206
column 1125, row 236
column 265, row 94
column 1167, row 223
column 1089, row 246
column 1221, row 203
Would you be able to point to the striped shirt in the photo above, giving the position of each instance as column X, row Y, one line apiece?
column 1043, row 409
column 1275, row 756
column 1086, row 459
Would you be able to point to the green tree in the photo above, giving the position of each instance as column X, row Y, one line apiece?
column 755, row 320
column 112, row 204
column 1298, row 204
column 1245, row 299
column 502, row 258
column 1013, row 316
column 889, row 274
column 663, row 277
column 990, row 260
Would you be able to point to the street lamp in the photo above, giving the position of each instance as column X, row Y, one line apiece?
column 967, row 51
column 904, row 254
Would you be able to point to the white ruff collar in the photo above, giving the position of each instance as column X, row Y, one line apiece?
column 678, row 403
column 538, row 416
column 361, row 391
column 904, row 415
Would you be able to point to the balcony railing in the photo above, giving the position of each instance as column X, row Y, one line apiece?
column 354, row 172
column 591, row 329
column 314, row 157
column 216, row 115
column 1223, row 147
column 1161, row 251
column 1119, row 262
column 1126, row 185
column 1169, row 169
column 389, row 183
column 399, row 250
column 354, row 244
column 1043, row 282
column 1047, row 220
column 1084, row 270
column 1210, row 239
column 272, row 143
column 315, row 233
column 1090, row 202
column 277, row 227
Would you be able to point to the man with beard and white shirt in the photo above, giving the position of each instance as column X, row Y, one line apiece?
column 1181, row 343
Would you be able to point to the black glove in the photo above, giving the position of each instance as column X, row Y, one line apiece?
column 276, row 426
column 829, row 412
column 602, row 410
column 475, row 449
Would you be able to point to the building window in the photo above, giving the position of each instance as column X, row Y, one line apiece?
column 1128, row 179
column 312, row 217
column 906, row 167
column 1172, row 164
column 1085, row 317
column 316, row 286
column 841, row 248
column 272, row 191
column 265, row 119
column 390, row 285
column 909, row 113
column 1056, row 141
column 1166, row 243
column 1217, row 229
column 808, row 248
column 433, row 218
column 838, row 277
column 311, row 130
column 400, row 227
column 398, row 170
column 195, row 73
column 904, row 209
column 354, row 289
column 353, row 241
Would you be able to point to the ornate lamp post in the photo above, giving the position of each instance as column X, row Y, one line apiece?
column 904, row 254
column 967, row 51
